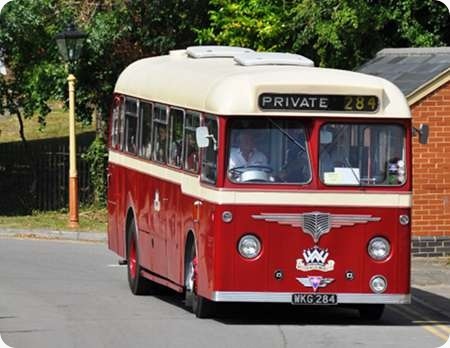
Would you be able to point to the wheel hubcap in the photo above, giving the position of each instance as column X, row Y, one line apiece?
column 132, row 258
column 191, row 278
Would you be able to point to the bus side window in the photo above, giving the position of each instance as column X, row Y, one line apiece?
column 146, row 130
column 131, row 121
column 159, row 133
column 191, row 153
column 176, row 137
column 209, row 160
column 117, row 116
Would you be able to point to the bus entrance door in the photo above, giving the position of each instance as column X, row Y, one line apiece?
column 158, row 253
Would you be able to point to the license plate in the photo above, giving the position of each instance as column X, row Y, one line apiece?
column 314, row 299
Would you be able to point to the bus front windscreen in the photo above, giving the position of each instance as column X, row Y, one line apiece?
column 269, row 150
column 362, row 154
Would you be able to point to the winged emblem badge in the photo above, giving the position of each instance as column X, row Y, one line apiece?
column 315, row 282
column 316, row 224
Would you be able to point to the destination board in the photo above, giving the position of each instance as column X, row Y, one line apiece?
column 299, row 102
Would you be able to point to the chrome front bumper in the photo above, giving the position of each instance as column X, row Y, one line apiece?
column 286, row 297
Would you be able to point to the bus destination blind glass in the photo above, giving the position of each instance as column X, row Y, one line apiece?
column 296, row 102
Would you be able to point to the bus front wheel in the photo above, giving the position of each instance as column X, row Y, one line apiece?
column 371, row 312
column 138, row 284
column 201, row 307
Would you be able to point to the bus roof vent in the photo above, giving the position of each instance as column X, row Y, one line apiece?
column 272, row 58
column 216, row 51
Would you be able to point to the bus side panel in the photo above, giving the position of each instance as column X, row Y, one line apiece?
column 112, row 207
column 174, row 233
column 144, row 210
column 207, row 228
column 158, row 219
column 116, row 226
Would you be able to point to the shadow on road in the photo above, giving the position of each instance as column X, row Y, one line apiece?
column 285, row 314
column 436, row 302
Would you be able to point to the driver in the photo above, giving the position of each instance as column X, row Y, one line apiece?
column 246, row 154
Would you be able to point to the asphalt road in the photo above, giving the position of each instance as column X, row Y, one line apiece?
column 67, row 294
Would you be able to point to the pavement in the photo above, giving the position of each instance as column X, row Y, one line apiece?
column 430, row 277
column 430, row 280
column 99, row 237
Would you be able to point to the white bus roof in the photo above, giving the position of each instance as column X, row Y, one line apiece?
column 223, row 86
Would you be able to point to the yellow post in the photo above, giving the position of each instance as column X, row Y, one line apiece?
column 73, row 174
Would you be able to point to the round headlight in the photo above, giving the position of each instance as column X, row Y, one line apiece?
column 249, row 246
column 379, row 248
column 378, row 284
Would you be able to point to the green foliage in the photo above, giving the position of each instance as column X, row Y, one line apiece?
column 334, row 33
column 26, row 38
column 119, row 32
column 259, row 24
column 97, row 157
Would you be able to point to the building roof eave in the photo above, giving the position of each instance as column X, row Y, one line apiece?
column 428, row 87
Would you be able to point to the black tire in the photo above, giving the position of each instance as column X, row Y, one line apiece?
column 138, row 284
column 200, row 306
column 203, row 308
column 371, row 312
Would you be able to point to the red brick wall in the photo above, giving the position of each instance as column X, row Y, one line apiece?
column 431, row 166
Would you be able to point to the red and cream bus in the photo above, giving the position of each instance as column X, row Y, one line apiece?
column 237, row 176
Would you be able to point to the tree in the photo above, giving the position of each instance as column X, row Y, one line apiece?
column 119, row 33
column 26, row 38
column 259, row 24
column 334, row 33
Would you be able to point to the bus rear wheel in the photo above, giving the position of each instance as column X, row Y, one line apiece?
column 201, row 307
column 371, row 312
column 138, row 284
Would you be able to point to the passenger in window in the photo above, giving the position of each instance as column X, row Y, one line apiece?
column 191, row 153
column 146, row 152
column 175, row 153
column 246, row 153
column 131, row 146
column 160, row 145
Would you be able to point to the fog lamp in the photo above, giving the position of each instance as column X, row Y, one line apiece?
column 378, row 284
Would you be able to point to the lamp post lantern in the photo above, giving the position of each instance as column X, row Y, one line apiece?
column 70, row 43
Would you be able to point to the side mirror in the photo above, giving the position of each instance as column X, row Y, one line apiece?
column 423, row 132
column 202, row 137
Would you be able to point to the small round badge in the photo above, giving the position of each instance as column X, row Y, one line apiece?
column 278, row 274
column 349, row 275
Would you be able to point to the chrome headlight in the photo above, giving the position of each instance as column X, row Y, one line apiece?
column 379, row 248
column 378, row 284
column 249, row 246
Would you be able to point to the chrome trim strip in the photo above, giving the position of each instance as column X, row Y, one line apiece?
column 286, row 297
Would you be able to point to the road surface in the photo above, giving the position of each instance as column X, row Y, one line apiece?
column 68, row 294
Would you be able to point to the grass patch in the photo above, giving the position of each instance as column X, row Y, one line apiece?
column 91, row 220
column 57, row 125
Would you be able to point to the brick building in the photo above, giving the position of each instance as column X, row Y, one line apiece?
column 423, row 75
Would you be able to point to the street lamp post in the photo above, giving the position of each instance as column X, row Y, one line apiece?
column 70, row 43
